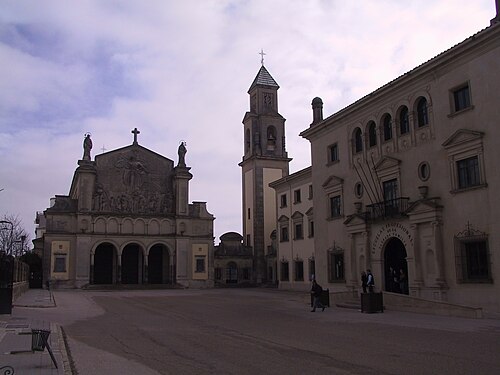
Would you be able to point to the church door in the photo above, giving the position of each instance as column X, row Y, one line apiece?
column 130, row 264
column 158, row 265
column 395, row 267
column 104, row 260
column 232, row 273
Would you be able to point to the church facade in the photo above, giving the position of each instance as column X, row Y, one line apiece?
column 127, row 220
column 404, row 181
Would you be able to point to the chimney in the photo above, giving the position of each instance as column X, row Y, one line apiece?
column 317, row 106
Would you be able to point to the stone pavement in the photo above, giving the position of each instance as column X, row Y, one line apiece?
column 32, row 363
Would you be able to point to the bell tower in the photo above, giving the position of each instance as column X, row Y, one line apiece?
column 264, row 160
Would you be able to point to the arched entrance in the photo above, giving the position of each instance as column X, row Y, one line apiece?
column 395, row 267
column 131, row 264
column 158, row 265
column 231, row 273
column 104, row 264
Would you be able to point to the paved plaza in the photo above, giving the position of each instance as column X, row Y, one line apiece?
column 259, row 331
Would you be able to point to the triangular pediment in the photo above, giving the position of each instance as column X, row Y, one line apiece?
column 355, row 219
column 423, row 206
column 297, row 215
column 332, row 182
column 283, row 219
column 462, row 136
column 387, row 162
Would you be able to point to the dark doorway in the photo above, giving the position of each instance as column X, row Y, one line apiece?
column 158, row 265
column 396, row 268
column 35, row 264
column 232, row 273
column 130, row 264
column 103, row 264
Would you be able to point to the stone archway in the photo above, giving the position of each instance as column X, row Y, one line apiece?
column 395, row 266
column 104, row 264
column 158, row 265
column 132, row 262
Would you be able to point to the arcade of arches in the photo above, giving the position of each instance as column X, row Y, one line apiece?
column 133, row 265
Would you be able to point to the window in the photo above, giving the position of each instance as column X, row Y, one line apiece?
column 335, row 206
column 312, row 268
column 372, row 134
column 299, row 270
column 387, row 127
column 310, row 192
column 358, row 190
column 333, row 153
column 283, row 200
column 200, row 264
column 284, row 271
column 422, row 114
column 424, row 171
column 284, row 233
column 472, row 256
column 468, row 173
column 247, row 140
column 461, row 98
column 404, row 121
column 299, row 233
column 296, row 196
column 311, row 228
column 358, row 140
column 248, row 214
column 336, row 265
column 60, row 263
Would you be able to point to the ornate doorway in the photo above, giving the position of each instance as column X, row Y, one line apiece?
column 395, row 267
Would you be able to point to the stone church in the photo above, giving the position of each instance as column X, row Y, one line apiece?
column 127, row 220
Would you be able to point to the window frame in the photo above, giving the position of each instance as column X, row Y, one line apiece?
column 456, row 98
column 333, row 153
column 336, row 275
column 463, row 257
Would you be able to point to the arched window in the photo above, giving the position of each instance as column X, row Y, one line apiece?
column 358, row 140
column 387, row 127
column 372, row 134
column 422, row 112
column 271, row 138
column 404, row 122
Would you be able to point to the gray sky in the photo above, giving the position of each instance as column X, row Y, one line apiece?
column 180, row 70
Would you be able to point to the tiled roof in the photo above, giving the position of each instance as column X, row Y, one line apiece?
column 263, row 78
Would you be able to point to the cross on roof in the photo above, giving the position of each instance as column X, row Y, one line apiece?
column 103, row 149
column 135, row 132
column 261, row 53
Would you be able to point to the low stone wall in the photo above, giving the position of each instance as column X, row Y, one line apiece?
column 402, row 302
column 19, row 288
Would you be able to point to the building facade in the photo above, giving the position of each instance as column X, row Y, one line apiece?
column 264, row 160
column 404, row 181
column 127, row 220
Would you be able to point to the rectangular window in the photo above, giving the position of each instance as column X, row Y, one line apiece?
column 284, row 234
column 60, row 263
column 299, row 270
column 312, row 268
column 310, row 192
column 311, row 228
column 461, row 98
column 336, row 266
column 468, row 172
column 284, row 271
column 200, row 264
column 474, row 265
column 299, row 233
column 335, row 206
column 296, row 196
column 333, row 153
column 248, row 214
column 283, row 200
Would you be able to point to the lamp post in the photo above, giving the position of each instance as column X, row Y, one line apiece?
column 6, row 270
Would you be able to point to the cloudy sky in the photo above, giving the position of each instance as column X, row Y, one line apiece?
column 180, row 70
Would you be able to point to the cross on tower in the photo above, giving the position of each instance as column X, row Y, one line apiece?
column 261, row 53
column 103, row 149
column 135, row 132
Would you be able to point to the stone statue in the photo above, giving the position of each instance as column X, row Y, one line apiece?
column 87, row 146
column 182, row 154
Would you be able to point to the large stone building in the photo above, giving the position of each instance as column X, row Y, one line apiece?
column 127, row 220
column 404, row 180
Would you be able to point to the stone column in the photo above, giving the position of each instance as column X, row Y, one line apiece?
column 145, row 277
column 91, row 276
column 119, row 269
column 438, row 243
column 417, row 280
column 354, row 279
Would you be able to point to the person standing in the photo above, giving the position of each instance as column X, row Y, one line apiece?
column 364, row 281
column 316, row 291
column 370, row 281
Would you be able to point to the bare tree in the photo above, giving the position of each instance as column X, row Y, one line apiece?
column 14, row 239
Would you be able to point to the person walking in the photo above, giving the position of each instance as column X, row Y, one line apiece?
column 316, row 291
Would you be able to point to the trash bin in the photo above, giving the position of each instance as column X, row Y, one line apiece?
column 372, row 302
